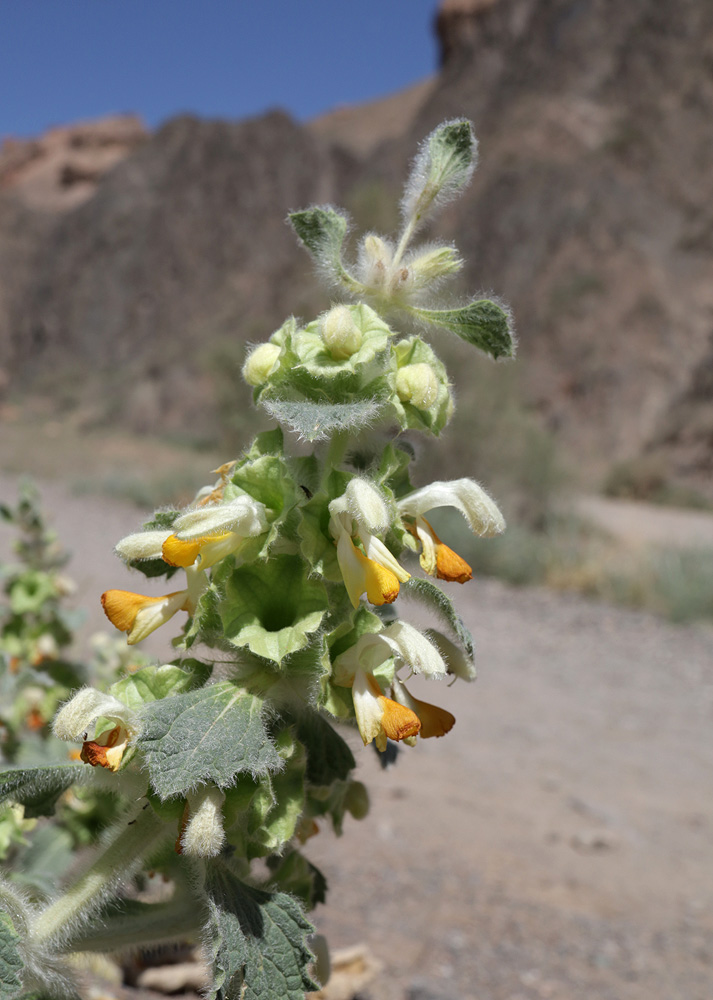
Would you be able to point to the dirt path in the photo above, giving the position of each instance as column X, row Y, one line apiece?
column 646, row 524
column 556, row 844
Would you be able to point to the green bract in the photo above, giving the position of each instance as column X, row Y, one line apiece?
column 288, row 572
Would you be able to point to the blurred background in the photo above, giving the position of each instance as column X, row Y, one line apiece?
column 150, row 154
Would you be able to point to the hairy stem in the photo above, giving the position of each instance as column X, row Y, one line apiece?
column 120, row 857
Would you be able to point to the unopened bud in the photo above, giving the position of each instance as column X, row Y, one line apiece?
column 375, row 256
column 340, row 333
column 261, row 363
column 438, row 262
column 204, row 834
column 417, row 384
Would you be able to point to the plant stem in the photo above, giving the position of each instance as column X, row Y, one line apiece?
column 334, row 454
column 121, row 856
column 136, row 924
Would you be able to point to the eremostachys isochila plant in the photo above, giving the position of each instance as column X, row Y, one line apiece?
column 289, row 567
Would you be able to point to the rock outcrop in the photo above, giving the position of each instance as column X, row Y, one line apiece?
column 590, row 213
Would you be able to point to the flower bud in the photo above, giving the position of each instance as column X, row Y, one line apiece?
column 261, row 363
column 340, row 333
column 417, row 384
column 434, row 264
column 204, row 835
column 375, row 256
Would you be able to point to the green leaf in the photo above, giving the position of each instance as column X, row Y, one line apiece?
column 328, row 756
column 484, row 324
column 318, row 421
column 38, row 788
column 272, row 607
column 442, row 168
column 323, row 230
column 11, row 963
column 153, row 683
column 210, row 734
column 293, row 873
column 432, row 597
column 258, row 941
column 46, row 860
column 205, row 624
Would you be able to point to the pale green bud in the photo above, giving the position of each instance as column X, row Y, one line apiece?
column 434, row 264
column 340, row 333
column 417, row 384
column 261, row 363
column 204, row 834
column 375, row 256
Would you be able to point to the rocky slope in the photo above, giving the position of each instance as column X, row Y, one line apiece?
column 590, row 212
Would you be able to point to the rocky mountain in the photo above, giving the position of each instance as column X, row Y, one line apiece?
column 153, row 258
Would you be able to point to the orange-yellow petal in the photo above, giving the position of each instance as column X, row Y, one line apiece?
column 435, row 721
column 382, row 586
column 397, row 721
column 137, row 614
column 450, row 566
column 178, row 553
column 363, row 574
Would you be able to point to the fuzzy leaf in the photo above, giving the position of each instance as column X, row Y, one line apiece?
column 432, row 597
column 258, row 941
column 483, row 323
column 322, row 230
column 318, row 421
column 38, row 788
column 210, row 734
column 272, row 607
column 442, row 168
column 11, row 963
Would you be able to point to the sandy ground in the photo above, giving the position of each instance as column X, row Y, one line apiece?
column 558, row 842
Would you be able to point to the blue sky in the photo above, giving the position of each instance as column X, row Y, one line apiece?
column 67, row 60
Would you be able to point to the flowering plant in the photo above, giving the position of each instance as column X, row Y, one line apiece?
column 290, row 564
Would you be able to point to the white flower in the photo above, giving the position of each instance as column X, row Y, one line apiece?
column 81, row 713
column 361, row 512
column 474, row 504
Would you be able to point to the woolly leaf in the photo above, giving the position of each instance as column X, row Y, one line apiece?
column 11, row 963
column 442, row 168
column 38, row 788
column 322, row 230
column 318, row 421
column 483, row 324
column 210, row 734
column 258, row 941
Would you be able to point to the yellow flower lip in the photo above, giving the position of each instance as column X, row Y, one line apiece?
column 137, row 614
column 179, row 553
column 362, row 574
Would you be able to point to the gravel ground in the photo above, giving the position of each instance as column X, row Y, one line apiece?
column 557, row 843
